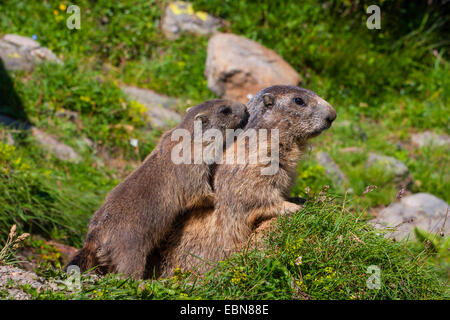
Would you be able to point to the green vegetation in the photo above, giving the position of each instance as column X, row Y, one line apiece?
column 384, row 84
column 323, row 252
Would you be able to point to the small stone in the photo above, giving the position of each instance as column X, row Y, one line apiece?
column 157, row 105
column 180, row 17
column 23, row 53
column 428, row 138
column 331, row 168
column 54, row 146
column 394, row 166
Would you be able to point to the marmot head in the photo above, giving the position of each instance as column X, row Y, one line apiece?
column 298, row 112
column 218, row 114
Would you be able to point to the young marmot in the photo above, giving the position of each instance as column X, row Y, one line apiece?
column 243, row 196
column 138, row 213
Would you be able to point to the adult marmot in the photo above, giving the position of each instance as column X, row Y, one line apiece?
column 138, row 213
column 244, row 196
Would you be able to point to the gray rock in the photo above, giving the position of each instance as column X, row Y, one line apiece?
column 331, row 168
column 428, row 138
column 237, row 67
column 422, row 210
column 13, row 278
column 180, row 17
column 54, row 146
column 22, row 53
column 157, row 105
column 394, row 166
column 19, row 277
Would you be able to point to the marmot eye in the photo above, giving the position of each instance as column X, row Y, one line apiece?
column 299, row 101
column 225, row 110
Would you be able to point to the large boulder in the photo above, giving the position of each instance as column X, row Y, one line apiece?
column 22, row 53
column 237, row 68
column 422, row 210
column 157, row 105
column 180, row 17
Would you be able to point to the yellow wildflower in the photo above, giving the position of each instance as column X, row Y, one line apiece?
column 202, row 15
column 238, row 277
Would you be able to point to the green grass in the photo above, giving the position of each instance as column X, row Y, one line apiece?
column 384, row 84
column 336, row 248
column 48, row 197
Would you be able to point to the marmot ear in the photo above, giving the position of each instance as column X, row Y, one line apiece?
column 202, row 117
column 268, row 99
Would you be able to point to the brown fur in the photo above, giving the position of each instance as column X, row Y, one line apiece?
column 138, row 213
column 243, row 197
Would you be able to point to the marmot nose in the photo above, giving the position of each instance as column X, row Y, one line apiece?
column 327, row 110
column 332, row 115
